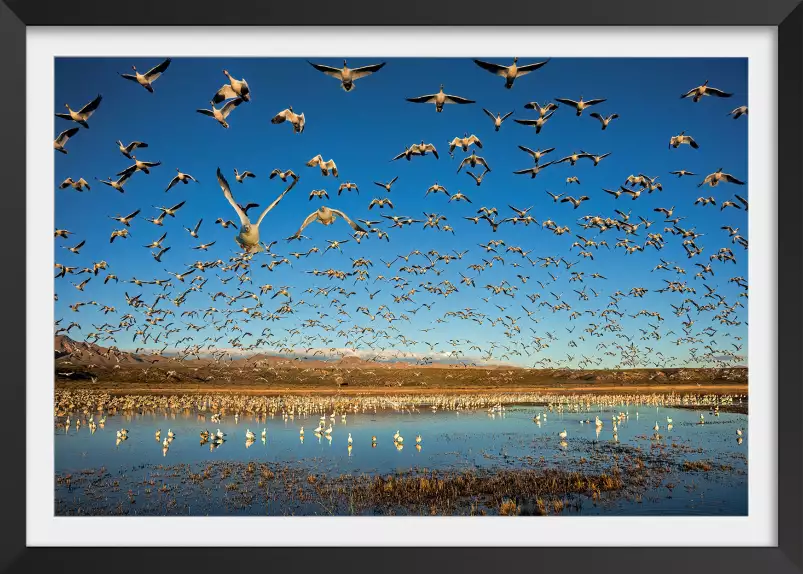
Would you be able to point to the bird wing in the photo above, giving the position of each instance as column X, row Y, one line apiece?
column 280, row 117
column 315, row 161
column 457, row 100
column 275, row 202
column 328, row 70
column 525, row 122
column 152, row 74
column 594, row 102
column 128, row 77
column 363, row 71
column 527, row 68
column 489, row 114
column 173, row 182
column 205, row 112
column 224, row 185
column 401, row 155
column 223, row 94
column 566, row 101
column 132, row 215
column 66, row 134
column 178, row 206
column 354, row 226
column 91, row 106
column 428, row 99
column 718, row 93
column 230, row 105
column 497, row 69
column 731, row 179
column 506, row 116
column 310, row 218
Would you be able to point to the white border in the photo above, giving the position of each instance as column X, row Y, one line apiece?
column 758, row 44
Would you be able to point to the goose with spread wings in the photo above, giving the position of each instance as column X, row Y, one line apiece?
column 704, row 90
column 347, row 76
column 248, row 236
column 440, row 99
column 222, row 113
column 510, row 73
column 326, row 216
column 581, row 104
column 497, row 119
column 63, row 138
column 83, row 114
column 234, row 89
column 146, row 80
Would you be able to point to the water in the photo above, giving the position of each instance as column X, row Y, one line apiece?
column 451, row 440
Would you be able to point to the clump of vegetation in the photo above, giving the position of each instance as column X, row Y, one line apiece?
column 697, row 466
column 509, row 508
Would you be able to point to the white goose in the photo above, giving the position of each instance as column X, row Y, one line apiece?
column 248, row 237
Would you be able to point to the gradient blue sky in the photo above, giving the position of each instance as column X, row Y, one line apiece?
column 362, row 130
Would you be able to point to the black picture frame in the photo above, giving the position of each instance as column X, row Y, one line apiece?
column 786, row 15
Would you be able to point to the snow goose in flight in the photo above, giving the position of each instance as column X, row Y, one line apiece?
column 63, row 137
column 234, row 89
column 222, row 113
column 145, row 80
column 248, row 236
column 440, row 99
column 326, row 216
column 581, row 104
column 714, row 179
column 127, row 149
column 497, row 119
column 83, row 114
column 510, row 73
column 184, row 178
column 347, row 76
column 297, row 120
column 704, row 90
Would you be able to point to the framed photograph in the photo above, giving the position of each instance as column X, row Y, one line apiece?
column 482, row 283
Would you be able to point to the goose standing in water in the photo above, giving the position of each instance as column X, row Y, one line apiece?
column 581, row 104
column 184, row 178
column 347, row 76
column 221, row 114
column 288, row 115
column 440, row 99
column 83, row 114
column 714, row 179
column 63, row 138
column 248, row 237
column 705, row 90
column 497, row 119
column 350, row 440
column 234, row 89
column 326, row 216
column 145, row 80
column 510, row 73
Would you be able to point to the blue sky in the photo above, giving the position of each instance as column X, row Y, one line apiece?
column 362, row 130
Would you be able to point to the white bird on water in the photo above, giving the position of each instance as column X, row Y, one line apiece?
column 656, row 428
column 350, row 440
column 563, row 434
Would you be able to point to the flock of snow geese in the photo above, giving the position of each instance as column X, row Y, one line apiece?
column 179, row 314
